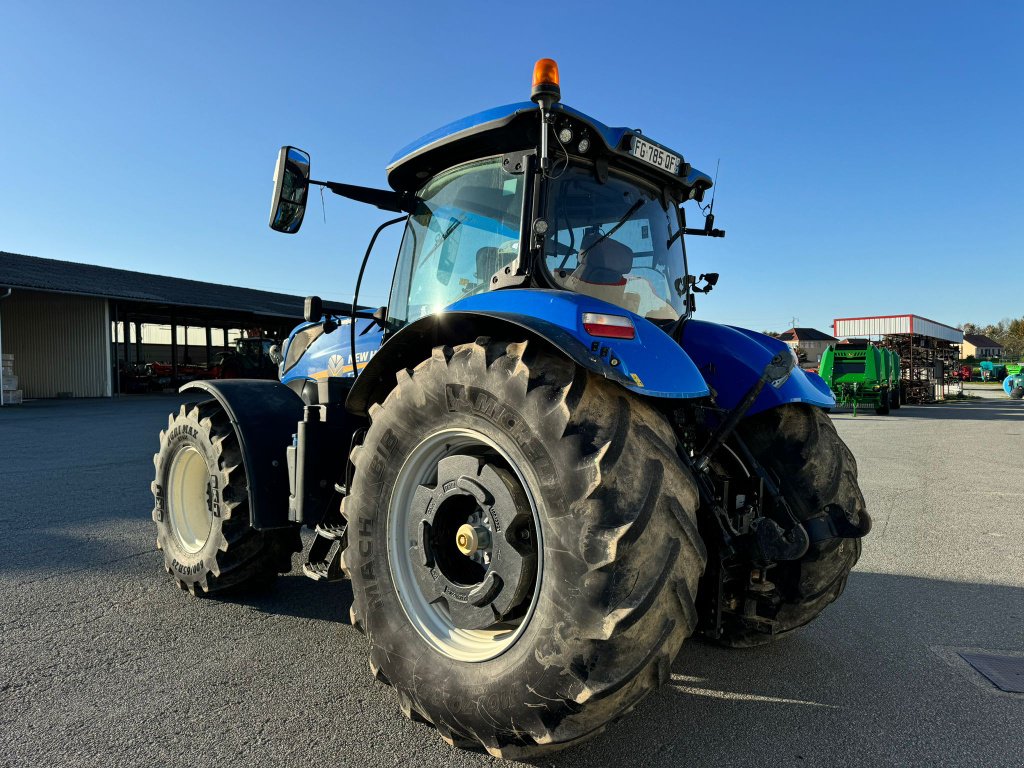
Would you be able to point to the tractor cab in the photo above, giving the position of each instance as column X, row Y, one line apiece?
column 546, row 198
column 615, row 237
column 535, row 195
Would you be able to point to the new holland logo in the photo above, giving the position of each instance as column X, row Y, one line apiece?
column 335, row 365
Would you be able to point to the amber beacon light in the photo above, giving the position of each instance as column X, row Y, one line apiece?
column 545, row 81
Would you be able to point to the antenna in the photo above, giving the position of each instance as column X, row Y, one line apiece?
column 793, row 321
column 709, row 209
column 714, row 189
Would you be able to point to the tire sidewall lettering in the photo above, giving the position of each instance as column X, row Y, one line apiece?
column 479, row 402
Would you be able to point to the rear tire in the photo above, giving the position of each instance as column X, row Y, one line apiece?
column 800, row 447
column 201, row 507
column 882, row 408
column 1017, row 393
column 617, row 552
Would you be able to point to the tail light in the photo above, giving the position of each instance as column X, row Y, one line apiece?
column 608, row 326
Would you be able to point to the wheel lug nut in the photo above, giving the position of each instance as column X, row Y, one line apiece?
column 470, row 538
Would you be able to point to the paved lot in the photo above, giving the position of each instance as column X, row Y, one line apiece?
column 103, row 662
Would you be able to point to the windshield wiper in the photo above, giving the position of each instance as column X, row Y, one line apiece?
column 440, row 241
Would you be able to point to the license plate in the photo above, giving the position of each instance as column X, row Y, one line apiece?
column 654, row 155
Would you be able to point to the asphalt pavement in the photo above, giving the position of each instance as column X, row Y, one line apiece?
column 104, row 662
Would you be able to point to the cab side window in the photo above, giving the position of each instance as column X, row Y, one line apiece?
column 465, row 229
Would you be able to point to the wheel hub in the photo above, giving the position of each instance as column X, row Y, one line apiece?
column 471, row 538
column 466, row 534
column 190, row 497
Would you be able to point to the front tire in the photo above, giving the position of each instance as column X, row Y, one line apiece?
column 602, row 522
column 799, row 445
column 201, row 507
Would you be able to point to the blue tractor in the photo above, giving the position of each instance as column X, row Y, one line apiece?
column 539, row 471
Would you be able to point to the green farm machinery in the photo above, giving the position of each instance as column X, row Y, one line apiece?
column 860, row 373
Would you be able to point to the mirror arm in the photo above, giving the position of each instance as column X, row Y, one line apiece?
column 341, row 313
column 385, row 199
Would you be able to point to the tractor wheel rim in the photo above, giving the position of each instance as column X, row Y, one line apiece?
column 430, row 620
column 188, row 500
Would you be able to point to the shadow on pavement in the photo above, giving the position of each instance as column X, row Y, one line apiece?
column 295, row 595
column 984, row 410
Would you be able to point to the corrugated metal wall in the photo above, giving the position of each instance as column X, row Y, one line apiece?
column 886, row 326
column 60, row 343
column 923, row 327
column 871, row 326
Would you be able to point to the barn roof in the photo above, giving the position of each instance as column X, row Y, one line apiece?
column 31, row 272
column 805, row 334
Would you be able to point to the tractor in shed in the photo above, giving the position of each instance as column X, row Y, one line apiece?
column 540, row 471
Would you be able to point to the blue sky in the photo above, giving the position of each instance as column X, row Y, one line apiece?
column 871, row 153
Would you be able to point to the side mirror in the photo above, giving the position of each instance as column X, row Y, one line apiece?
column 312, row 309
column 291, row 183
column 710, row 281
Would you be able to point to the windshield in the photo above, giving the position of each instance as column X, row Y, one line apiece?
column 616, row 241
column 464, row 230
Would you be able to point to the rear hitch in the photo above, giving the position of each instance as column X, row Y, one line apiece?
column 767, row 542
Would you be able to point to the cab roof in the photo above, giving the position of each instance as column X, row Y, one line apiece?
column 511, row 128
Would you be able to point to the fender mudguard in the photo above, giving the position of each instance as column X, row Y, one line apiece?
column 264, row 415
column 731, row 359
column 650, row 364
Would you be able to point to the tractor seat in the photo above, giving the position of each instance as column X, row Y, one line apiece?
column 607, row 263
column 488, row 261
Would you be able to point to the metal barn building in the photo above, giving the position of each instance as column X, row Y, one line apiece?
column 69, row 329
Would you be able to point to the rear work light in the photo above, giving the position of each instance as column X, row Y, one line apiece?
column 608, row 326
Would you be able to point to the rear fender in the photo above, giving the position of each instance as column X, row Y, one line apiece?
column 264, row 415
column 651, row 364
column 732, row 359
